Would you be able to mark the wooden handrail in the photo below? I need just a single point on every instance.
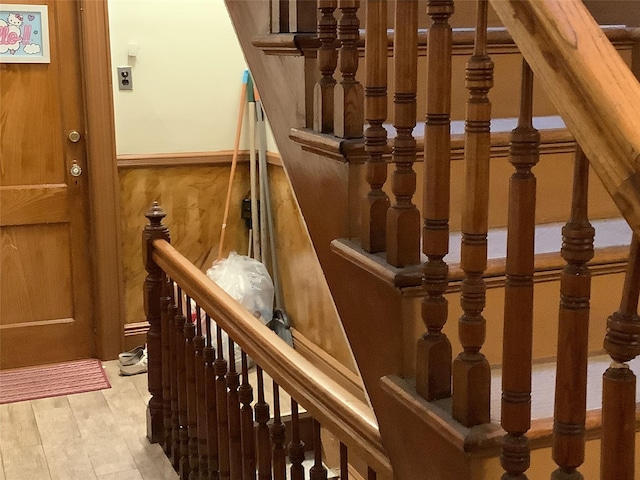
(348, 417)
(590, 85)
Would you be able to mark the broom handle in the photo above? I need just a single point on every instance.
(234, 161)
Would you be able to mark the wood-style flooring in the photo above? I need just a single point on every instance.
(96, 435)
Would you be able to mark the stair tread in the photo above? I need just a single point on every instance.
(554, 135)
(548, 238)
(543, 384)
(488, 437)
(611, 243)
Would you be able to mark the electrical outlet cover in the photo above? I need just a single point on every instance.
(125, 80)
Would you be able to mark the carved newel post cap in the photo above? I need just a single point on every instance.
(155, 214)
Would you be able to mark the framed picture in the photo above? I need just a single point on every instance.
(24, 33)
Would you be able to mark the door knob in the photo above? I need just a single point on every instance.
(74, 136)
(75, 170)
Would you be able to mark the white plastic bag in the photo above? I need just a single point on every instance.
(246, 280)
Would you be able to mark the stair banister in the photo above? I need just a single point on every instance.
(338, 410)
(588, 82)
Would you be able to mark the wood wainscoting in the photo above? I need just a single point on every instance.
(191, 187)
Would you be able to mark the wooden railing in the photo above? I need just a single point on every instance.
(202, 409)
(598, 97)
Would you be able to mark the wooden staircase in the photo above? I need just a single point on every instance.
(388, 199)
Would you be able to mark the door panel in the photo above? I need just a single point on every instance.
(45, 282)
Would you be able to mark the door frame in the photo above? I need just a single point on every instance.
(104, 185)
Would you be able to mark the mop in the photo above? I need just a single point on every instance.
(280, 321)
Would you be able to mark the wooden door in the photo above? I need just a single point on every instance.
(45, 281)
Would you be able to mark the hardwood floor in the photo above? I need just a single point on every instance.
(97, 435)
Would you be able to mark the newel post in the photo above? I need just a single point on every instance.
(154, 230)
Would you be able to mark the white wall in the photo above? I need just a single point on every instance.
(187, 76)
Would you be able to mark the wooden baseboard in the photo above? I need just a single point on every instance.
(135, 334)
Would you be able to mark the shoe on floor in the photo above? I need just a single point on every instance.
(138, 364)
(131, 357)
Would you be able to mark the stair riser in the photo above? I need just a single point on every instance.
(554, 175)
(503, 96)
(545, 330)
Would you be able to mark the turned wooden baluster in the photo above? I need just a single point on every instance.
(220, 370)
(471, 371)
(277, 431)
(261, 409)
(296, 446)
(279, 16)
(376, 202)
(192, 400)
(245, 392)
(181, 379)
(348, 96)
(403, 218)
(518, 310)
(573, 331)
(622, 342)
(233, 406)
(318, 470)
(327, 63)
(344, 462)
(174, 456)
(167, 322)
(153, 283)
(433, 368)
(209, 355)
(201, 406)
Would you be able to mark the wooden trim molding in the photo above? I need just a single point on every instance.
(188, 159)
(103, 178)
